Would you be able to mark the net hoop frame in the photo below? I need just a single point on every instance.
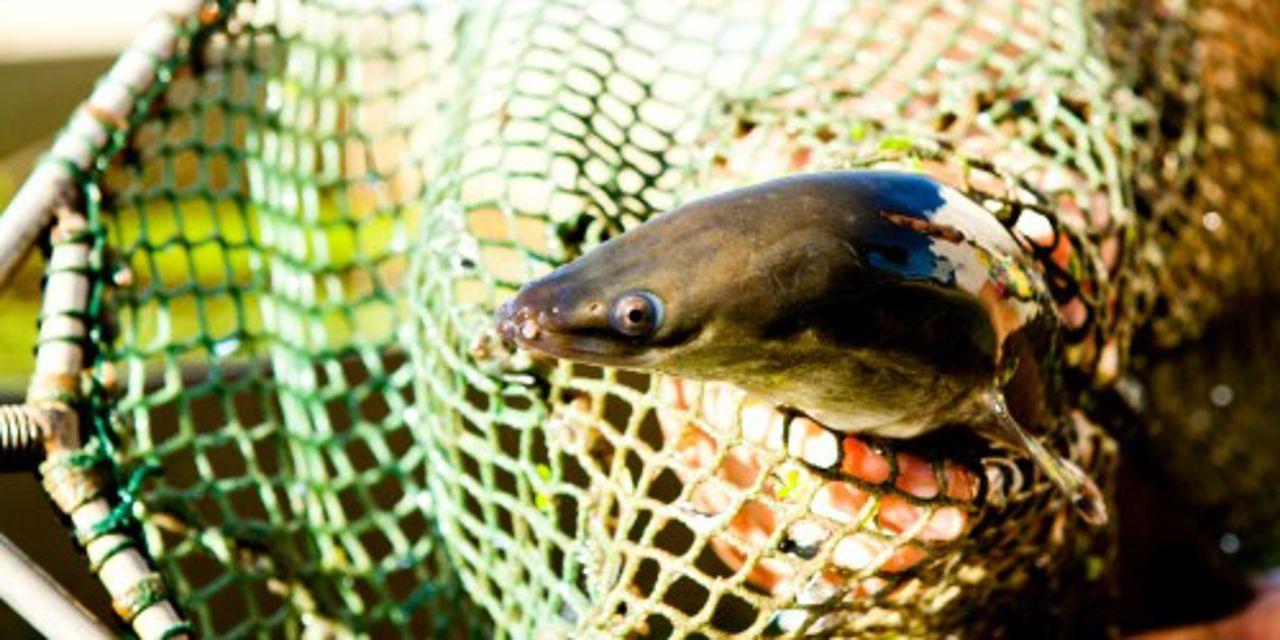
(44, 207)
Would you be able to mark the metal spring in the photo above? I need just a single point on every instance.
(21, 436)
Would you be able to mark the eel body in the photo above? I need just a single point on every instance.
(876, 302)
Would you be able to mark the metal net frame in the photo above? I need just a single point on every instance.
(288, 224)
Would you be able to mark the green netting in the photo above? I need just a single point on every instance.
(307, 225)
(263, 210)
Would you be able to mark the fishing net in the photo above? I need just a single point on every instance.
(300, 233)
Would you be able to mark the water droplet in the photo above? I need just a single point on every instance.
(1229, 543)
(224, 348)
(1212, 221)
(122, 278)
(1221, 395)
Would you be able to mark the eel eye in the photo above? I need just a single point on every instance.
(636, 314)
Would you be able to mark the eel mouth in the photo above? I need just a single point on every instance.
(537, 331)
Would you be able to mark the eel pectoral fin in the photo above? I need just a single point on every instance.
(1064, 474)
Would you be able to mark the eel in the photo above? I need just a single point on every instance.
(1148, 151)
(876, 302)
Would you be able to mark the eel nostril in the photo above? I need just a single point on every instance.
(529, 329)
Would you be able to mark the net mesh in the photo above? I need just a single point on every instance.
(303, 231)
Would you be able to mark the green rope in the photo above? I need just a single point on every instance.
(120, 518)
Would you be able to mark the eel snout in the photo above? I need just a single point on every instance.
(546, 319)
(517, 323)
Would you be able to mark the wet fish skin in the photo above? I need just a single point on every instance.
(876, 302)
